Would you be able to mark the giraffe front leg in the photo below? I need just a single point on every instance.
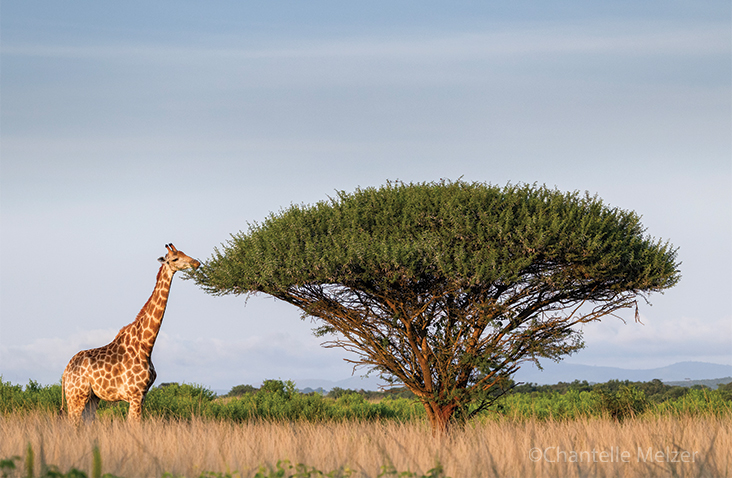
(135, 412)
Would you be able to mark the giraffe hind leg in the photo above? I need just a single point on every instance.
(79, 407)
(77, 396)
(75, 409)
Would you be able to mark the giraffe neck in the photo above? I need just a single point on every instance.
(144, 330)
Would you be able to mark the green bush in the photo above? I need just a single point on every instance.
(178, 401)
(239, 390)
(549, 405)
(698, 402)
(35, 397)
(278, 400)
(627, 402)
(725, 390)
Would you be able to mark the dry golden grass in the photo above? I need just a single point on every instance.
(492, 449)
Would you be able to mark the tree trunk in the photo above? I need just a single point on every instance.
(439, 416)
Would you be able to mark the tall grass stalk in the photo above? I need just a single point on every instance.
(493, 448)
(29, 461)
(96, 462)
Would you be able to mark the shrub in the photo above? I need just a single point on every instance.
(178, 401)
(34, 397)
(627, 402)
(278, 400)
(239, 390)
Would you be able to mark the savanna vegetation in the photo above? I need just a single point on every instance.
(276, 431)
(278, 400)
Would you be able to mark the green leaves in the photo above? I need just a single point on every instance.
(457, 233)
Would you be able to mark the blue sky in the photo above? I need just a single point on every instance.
(130, 125)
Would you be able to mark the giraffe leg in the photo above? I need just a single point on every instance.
(75, 408)
(76, 402)
(135, 412)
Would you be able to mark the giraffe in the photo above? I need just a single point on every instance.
(122, 369)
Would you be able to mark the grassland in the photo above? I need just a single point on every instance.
(187, 431)
(640, 447)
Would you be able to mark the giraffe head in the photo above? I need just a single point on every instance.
(178, 261)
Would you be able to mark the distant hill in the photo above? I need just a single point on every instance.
(696, 372)
(682, 373)
(353, 383)
(711, 383)
(566, 372)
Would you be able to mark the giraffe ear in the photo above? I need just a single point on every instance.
(161, 259)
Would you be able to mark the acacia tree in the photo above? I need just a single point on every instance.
(448, 287)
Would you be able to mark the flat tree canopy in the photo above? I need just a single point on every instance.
(448, 287)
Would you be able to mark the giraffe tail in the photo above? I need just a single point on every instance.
(63, 396)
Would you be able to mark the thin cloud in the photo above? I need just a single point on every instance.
(633, 39)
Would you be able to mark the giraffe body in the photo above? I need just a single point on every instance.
(122, 370)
